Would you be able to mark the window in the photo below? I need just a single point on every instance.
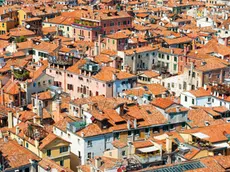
(111, 24)
(119, 23)
(185, 98)
(123, 153)
(62, 163)
(156, 130)
(68, 29)
(175, 59)
(129, 133)
(137, 132)
(193, 74)
(89, 155)
(48, 152)
(167, 57)
(34, 84)
(175, 67)
(124, 22)
(193, 101)
(27, 145)
(147, 130)
(89, 143)
(107, 139)
(69, 86)
(64, 149)
(116, 136)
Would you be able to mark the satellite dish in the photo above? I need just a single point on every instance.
(27, 26)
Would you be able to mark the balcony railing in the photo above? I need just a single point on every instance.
(63, 154)
(61, 61)
(144, 159)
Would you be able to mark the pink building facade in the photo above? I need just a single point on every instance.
(85, 79)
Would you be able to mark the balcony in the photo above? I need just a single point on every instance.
(61, 60)
(87, 24)
(81, 36)
(21, 74)
(63, 154)
(148, 158)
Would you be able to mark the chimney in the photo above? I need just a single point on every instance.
(114, 77)
(226, 41)
(36, 142)
(5, 138)
(10, 119)
(177, 109)
(12, 73)
(58, 105)
(128, 124)
(205, 86)
(98, 162)
(185, 50)
(169, 144)
(2, 96)
(37, 120)
(59, 42)
(135, 123)
(134, 62)
(40, 111)
(82, 134)
(17, 130)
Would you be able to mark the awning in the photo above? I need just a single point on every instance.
(222, 145)
(161, 137)
(200, 135)
(148, 149)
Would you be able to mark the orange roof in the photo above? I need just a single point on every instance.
(49, 139)
(12, 88)
(16, 155)
(179, 40)
(201, 92)
(216, 133)
(119, 144)
(76, 67)
(163, 103)
(46, 162)
(198, 117)
(46, 95)
(106, 74)
(150, 74)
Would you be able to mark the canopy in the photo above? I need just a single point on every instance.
(200, 135)
(148, 149)
(222, 145)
